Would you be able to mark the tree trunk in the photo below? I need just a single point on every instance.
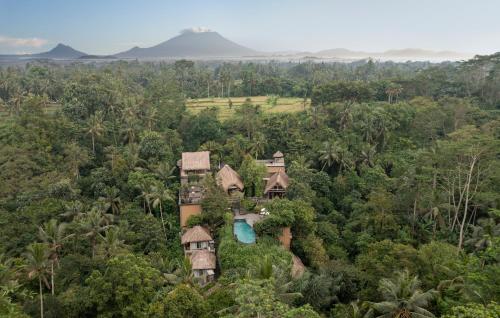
(41, 295)
(163, 222)
(93, 144)
(466, 204)
(52, 277)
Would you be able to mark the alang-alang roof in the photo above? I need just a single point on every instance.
(195, 160)
(280, 178)
(228, 178)
(203, 259)
(196, 234)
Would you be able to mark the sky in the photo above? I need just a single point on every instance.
(112, 26)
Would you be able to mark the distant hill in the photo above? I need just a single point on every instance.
(401, 54)
(191, 44)
(61, 51)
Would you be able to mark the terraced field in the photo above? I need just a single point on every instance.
(284, 104)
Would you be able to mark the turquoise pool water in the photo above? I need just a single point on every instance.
(244, 232)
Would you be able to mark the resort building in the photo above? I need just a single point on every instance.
(203, 263)
(276, 178)
(194, 166)
(229, 180)
(199, 246)
(276, 185)
(197, 238)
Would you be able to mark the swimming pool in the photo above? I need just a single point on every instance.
(244, 232)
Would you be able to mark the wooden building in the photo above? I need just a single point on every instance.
(194, 166)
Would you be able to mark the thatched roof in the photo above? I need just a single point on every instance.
(227, 178)
(196, 234)
(196, 160)
(280, 178)
(203, 259)
(278, 154)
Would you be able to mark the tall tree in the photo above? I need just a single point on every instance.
(37, 267)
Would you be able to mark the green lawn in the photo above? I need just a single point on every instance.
(284, 104)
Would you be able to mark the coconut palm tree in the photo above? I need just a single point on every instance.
(111, 244)
(145, 195)
(158, 195)
(164, 171)
(334, 152)
(76, 157)
(111, 200)
(54, 234)
(73, 210)
(258, 144)
(92, 224)
(95, 127)
(403, 298)
(279, 276)
(37, 266)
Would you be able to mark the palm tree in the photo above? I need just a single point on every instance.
(73, 210)
(110, 242)
(76, 157)
(258, 144)
(111, 200)
(483, 234)
(54, 234)
(180, 272)
(334, 153)
(279, 276)
(145, 196)
(164, 171)
(94, 223)
(403, 297)
(95, 127)
(215, 150)
(37, 259)
(158, 195)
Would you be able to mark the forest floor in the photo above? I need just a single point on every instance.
(283, 104)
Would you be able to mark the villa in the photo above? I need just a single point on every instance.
(276, 178)
(197, 238)
(203, 263)
(199, 246)
(194, 166)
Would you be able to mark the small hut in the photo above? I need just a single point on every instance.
(197, 238)
(203, 263)
(229, 180)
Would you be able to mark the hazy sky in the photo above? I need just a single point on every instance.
(106, 27)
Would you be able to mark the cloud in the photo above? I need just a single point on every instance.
(196, 30)
(20, 42)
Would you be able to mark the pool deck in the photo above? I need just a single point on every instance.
(250, 218)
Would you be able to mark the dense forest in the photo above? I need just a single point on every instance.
(393, 203)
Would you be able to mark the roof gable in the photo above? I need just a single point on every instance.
(227, 177)
(280, 178)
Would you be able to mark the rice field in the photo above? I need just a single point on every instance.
(283, 104)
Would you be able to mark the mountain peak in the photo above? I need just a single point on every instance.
(61, 51)
(192, 43)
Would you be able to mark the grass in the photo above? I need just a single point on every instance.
(284, 104)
